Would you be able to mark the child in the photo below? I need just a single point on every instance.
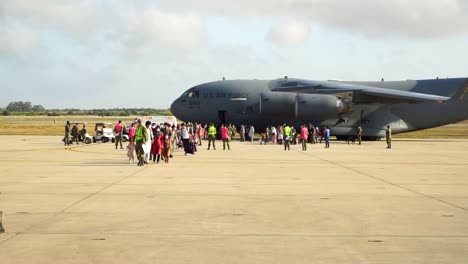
(131, 151)
(263, 139)
(166, 149)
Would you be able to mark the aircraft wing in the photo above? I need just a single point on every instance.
(364, 94)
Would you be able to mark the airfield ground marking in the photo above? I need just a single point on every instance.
(15, 235)
(275, 235)
(385, 181)
(52, 215)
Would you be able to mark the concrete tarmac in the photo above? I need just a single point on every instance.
(253, 204)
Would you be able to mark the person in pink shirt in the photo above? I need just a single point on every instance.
(118, 131)
(131, 132)
(200, 133)
(304, 136)
(225, 137)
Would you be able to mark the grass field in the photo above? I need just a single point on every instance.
(459, 130)
(54, 126)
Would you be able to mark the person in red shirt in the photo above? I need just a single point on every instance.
(225, 137)
(304, 136)
(157, 144)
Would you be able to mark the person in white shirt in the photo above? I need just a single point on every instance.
(251, 133)
(149, 140)
(185, 135)
(273, 134)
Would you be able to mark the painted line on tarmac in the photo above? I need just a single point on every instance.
(249, 235)
(81, 200)
(385, 181)
(16, 234)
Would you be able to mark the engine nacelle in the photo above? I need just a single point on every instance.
(278, 104)
(303, 106)
(320, 106)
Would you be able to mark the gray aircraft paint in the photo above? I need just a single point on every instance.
(252, 102)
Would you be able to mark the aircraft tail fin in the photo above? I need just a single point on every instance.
(461, 93)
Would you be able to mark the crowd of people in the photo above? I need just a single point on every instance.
(157, 142)
(74, 134)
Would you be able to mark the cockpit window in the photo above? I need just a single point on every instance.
(193, 94)
(189, 91)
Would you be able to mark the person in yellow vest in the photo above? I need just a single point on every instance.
(211, 136)
(287, 136)
(141, 137)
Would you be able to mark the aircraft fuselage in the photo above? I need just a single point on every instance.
(252, 102)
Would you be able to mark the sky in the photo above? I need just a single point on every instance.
(121, 53)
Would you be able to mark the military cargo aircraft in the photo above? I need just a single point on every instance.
(343, 106)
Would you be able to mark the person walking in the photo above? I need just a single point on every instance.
(67, 138)
(313, 134)
(280, 134)
(251, 133)
(211, 136)
(359, 135)
(157, 145)
(287, 136)
(327, 137)
(149, 141)
(184, 133)
(273, 134)
(267, 134)
(75, 133)
(131, 132)
(166, 148)
(118, 131)
(173, 138)
(304, 136)
(388, 137)
(225, 137)
(294, 139)
(200, 133)
(233, 132)
(83, 132)
(141, 135)
(242, 133)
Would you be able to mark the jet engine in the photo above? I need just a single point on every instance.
(320, 106)
(278, 104)
(303, 106)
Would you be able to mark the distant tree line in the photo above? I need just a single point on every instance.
(24, 107)
(27, 108)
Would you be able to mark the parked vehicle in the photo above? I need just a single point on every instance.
(104, 133)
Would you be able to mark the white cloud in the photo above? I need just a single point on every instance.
(133, 23)
(375, 18)
(67, 15)
(17, 41)
(167, 29)
(162, 47)
(289, 34)
(381, 18)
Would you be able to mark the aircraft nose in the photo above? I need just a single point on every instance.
(175, 108)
